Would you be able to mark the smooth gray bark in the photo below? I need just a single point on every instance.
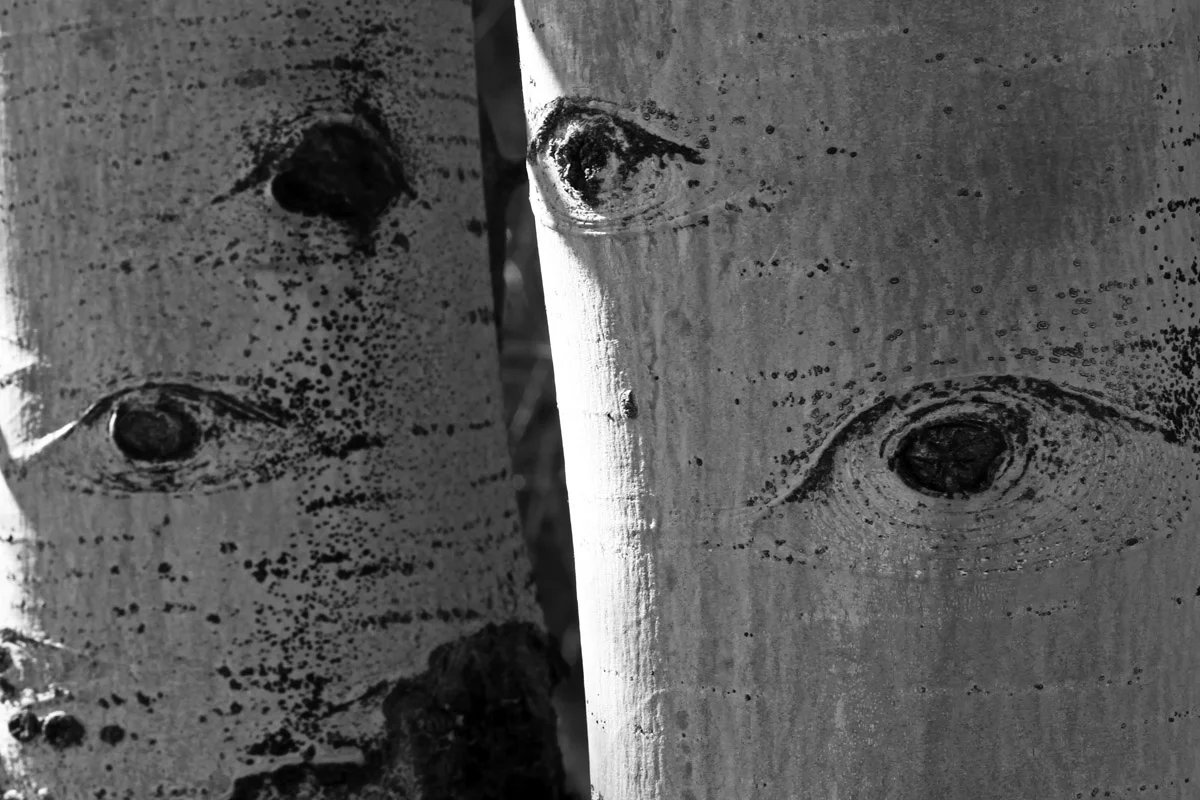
(902, 295)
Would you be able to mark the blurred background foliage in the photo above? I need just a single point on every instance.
(526, 371)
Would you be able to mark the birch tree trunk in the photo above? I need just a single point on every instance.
(875, 339)
(258, 536)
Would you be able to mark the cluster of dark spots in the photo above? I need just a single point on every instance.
(342, 63)
(262, 569)
(116, 700)
(580, 140)
(353, 444)
(251, 78)
(133, 608)
(277, 743)
(478, 724)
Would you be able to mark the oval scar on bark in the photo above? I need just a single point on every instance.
(583, 141)
(478, 724)
(339, 170)
(951, 456)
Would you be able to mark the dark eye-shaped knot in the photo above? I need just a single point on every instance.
(603, 172)
(168, 437)
(979, 475)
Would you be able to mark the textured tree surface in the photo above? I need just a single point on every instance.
(905, 295)
(257, 535)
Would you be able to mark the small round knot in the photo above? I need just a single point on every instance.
(112, 734)
(62, 729)
(24, 726)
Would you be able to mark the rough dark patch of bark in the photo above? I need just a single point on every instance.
(629, 408)
(478, 724)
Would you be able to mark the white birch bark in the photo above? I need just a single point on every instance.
(800, 236)
(254, 474)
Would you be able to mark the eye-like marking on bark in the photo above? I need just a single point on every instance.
(608, 172)
(341, 170)
(168, 437)
(983, 475)
(950, 458)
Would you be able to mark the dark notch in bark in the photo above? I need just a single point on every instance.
(580, 139)
(478, 724)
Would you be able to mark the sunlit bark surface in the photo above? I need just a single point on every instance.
(253, 471)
